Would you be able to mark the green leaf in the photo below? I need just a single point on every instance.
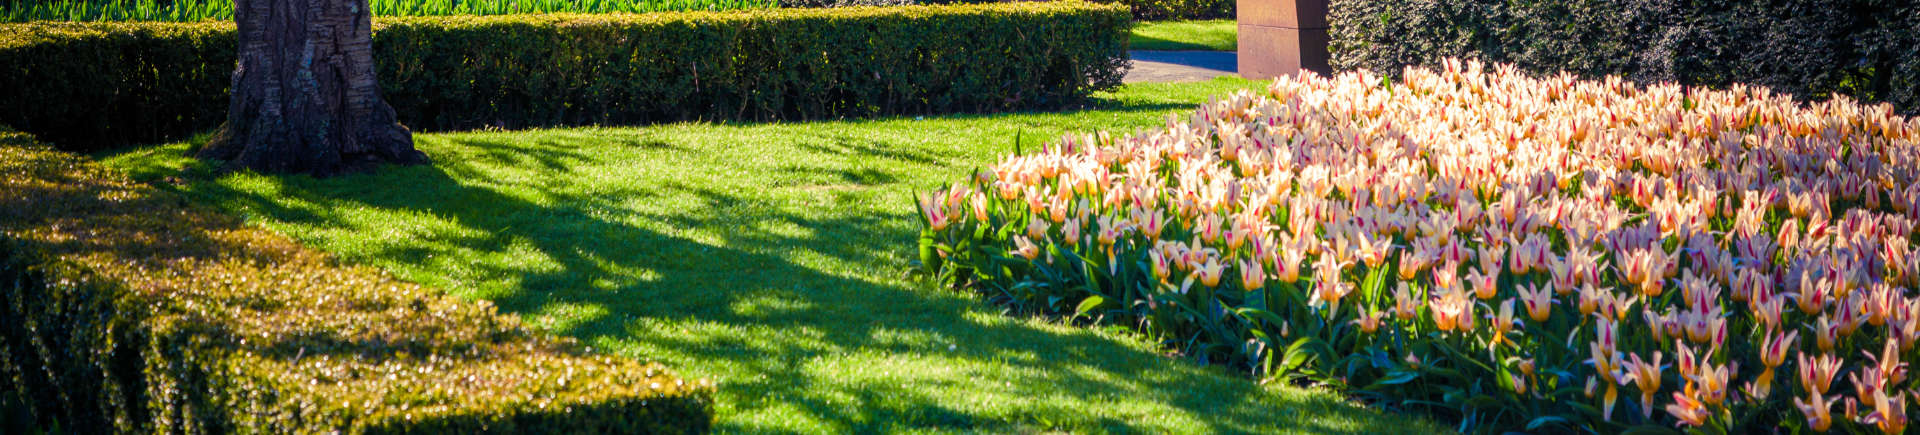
(1254, 314)
(1089, 305)
(1399, 377)
(1376, 284)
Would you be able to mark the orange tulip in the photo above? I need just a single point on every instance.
(1690, 412)
(1817, 373)
(1889, 413)
(1024, 248)
(1817, 410)
(1210, 272)
(1539, 304)
(1252, 276)
(1646, 376)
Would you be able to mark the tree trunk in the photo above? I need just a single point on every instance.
(305, 99)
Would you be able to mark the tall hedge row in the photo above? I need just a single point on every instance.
(127, 310)
(100, 84)
(87, 86)
(1869, 49)
(1178, 9)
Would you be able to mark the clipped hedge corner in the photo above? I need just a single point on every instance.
(98, 85)
(129, 310)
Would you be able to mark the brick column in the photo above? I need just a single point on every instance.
(1282, 37)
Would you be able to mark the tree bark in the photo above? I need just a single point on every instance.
(304, 95)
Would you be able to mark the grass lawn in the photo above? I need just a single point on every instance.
(1218, 35)
(771, 258)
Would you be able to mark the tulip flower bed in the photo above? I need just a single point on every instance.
(1499, 250)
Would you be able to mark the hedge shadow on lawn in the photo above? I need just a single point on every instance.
(580, 234)
(1167, 44)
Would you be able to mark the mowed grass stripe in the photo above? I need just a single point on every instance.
(1211, 35)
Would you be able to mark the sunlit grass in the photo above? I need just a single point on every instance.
(1217, 35)
(773, 259)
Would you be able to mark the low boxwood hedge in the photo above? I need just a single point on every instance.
(88, 86)
(129, 310)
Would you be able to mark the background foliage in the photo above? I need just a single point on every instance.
(1813, 49)
(1177, 9)
(103, 84)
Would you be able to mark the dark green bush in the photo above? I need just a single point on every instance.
(1810, 48)
(1177, 9)
(88, 86)
(128, 310)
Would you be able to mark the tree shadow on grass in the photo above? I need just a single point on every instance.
(748, 304)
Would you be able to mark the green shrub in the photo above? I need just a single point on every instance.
(128, 310)
(851, 3)
(103, 84)
(91, 85)
(1812, 49)
(1177, 9)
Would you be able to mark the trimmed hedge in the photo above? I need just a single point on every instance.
(1142, 9)
(852, 3)
(1178, 9)
(128, 310)
(88, 86)
(97, 85)
(1810, 48)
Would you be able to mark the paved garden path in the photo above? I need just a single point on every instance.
(1181, 66)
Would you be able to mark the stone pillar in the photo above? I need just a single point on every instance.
(1282, 37)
